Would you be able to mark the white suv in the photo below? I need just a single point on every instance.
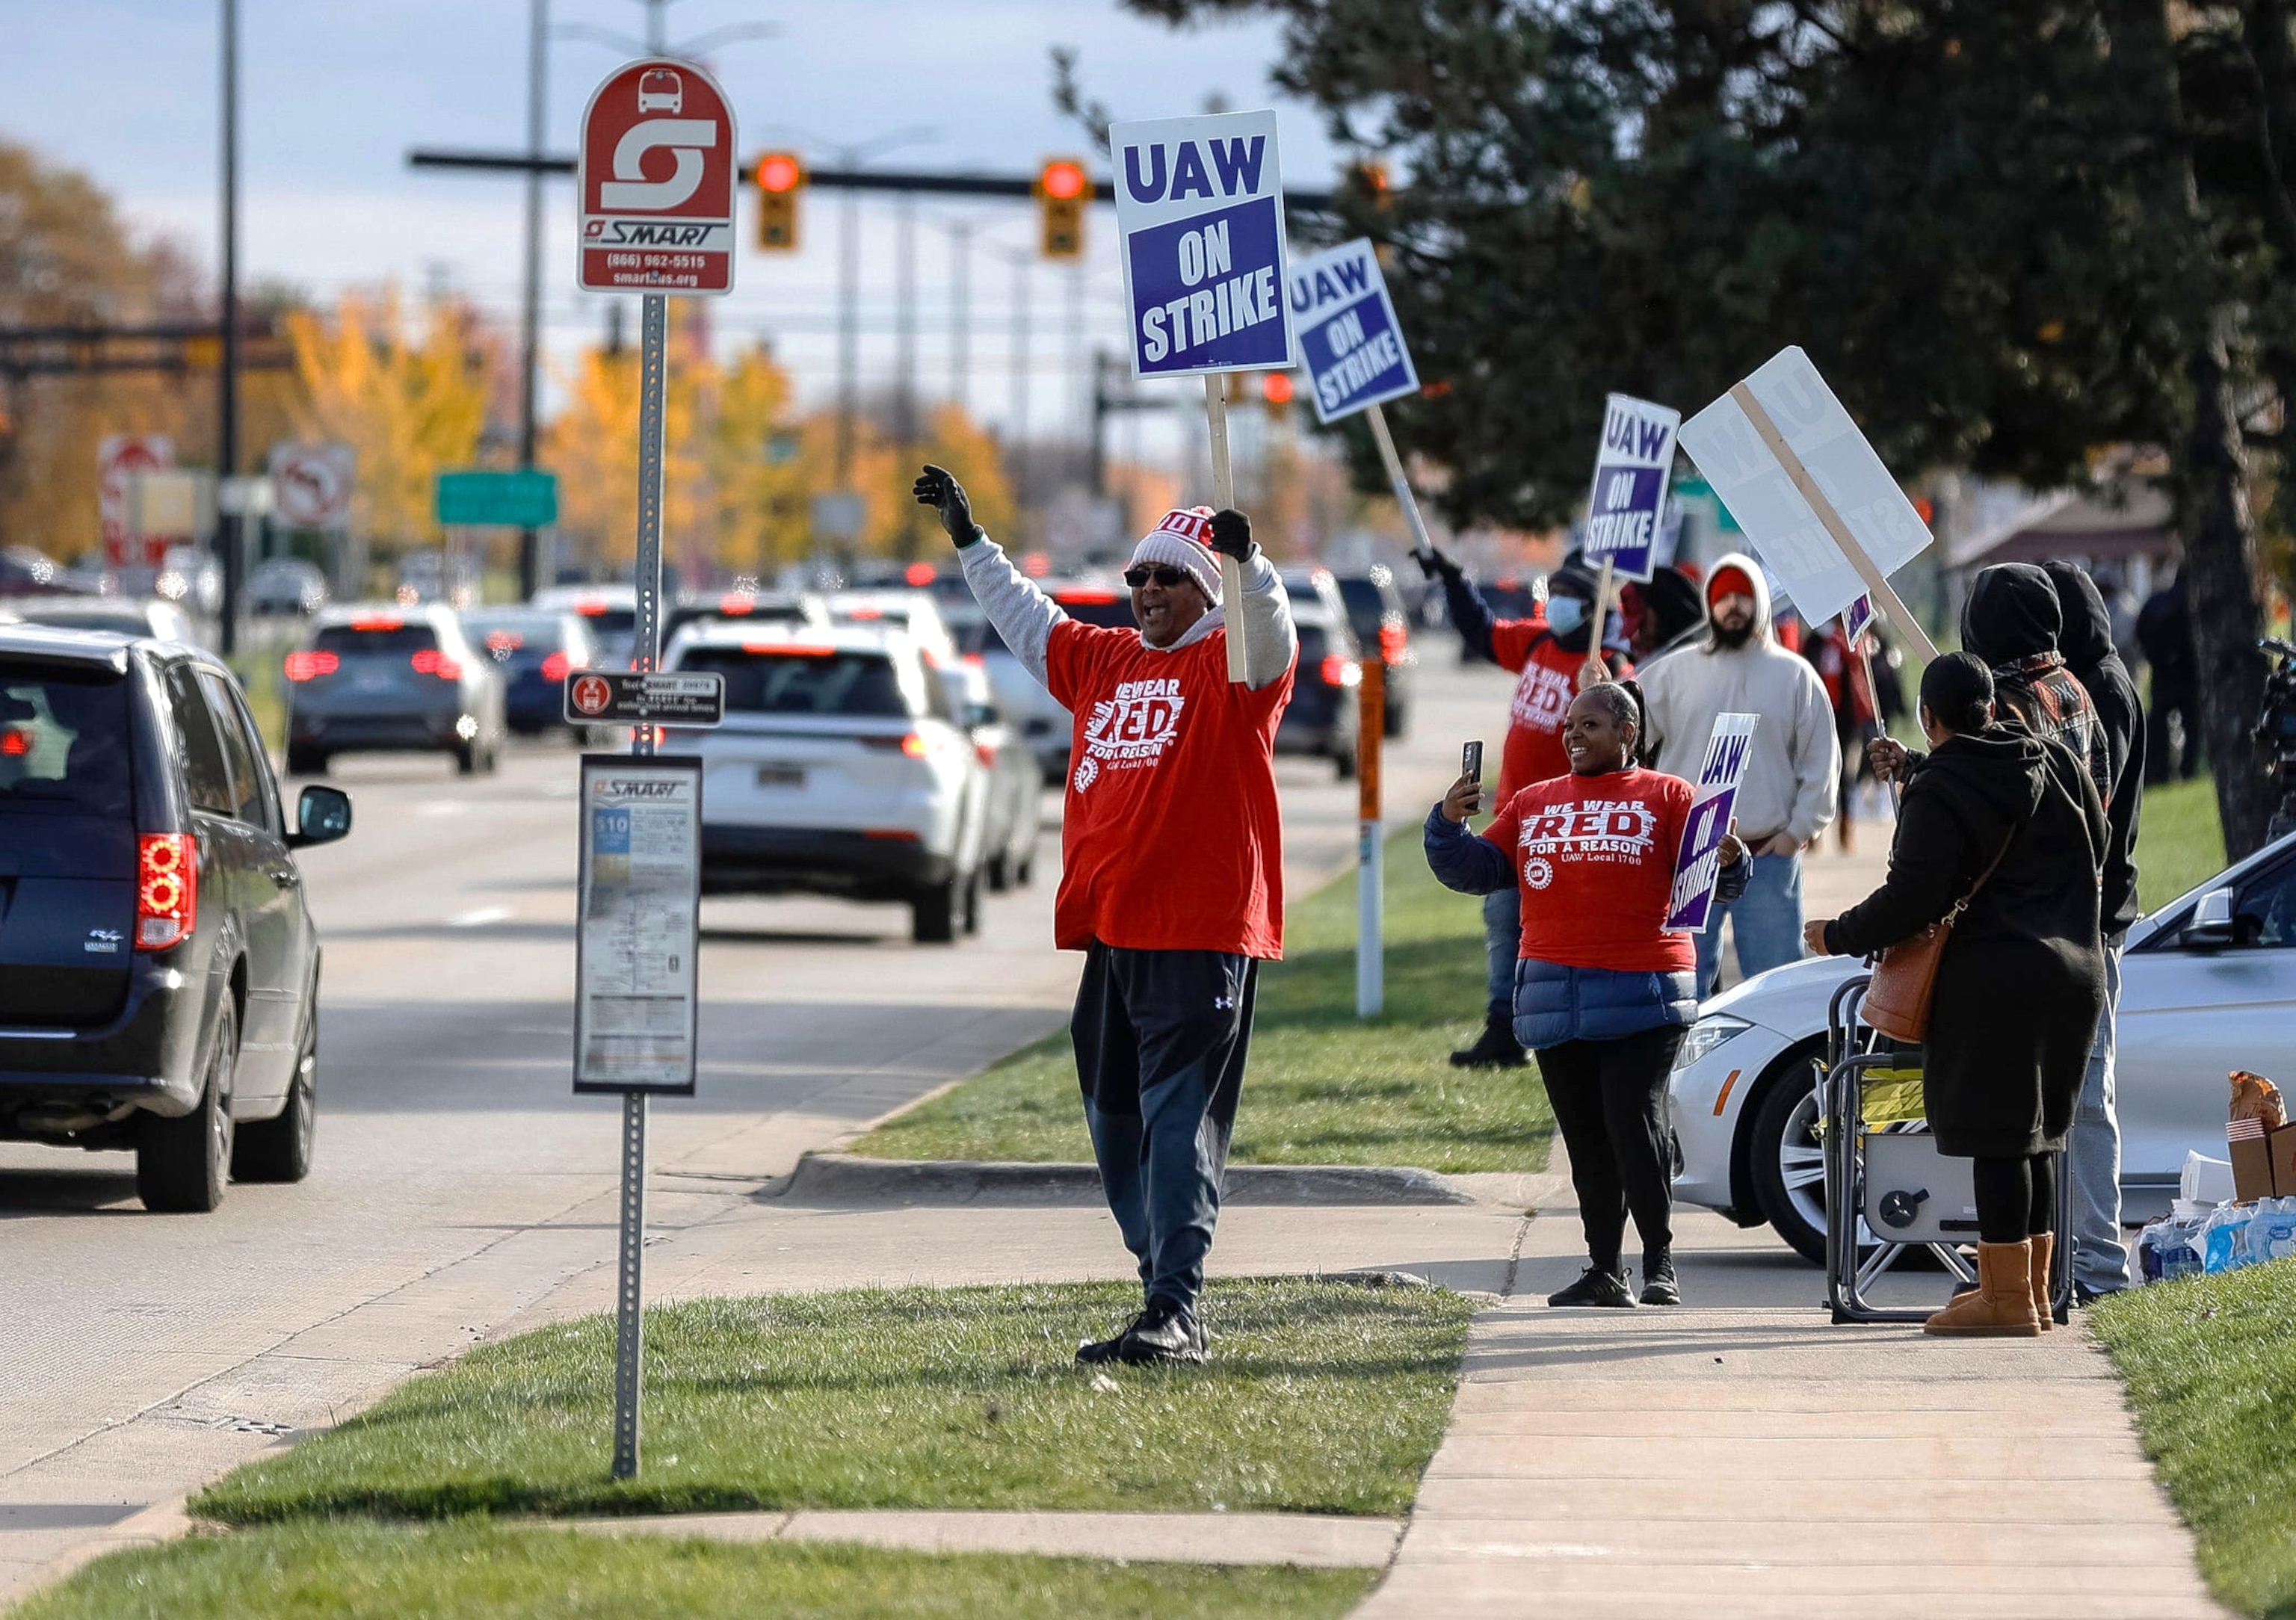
(841, 768)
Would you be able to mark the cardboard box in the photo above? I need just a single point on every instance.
(2263, 1162)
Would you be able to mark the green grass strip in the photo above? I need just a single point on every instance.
(1324, 1087)
(2212, 1370)
(486, 1570)
(1321, 1397)
(2179, 840)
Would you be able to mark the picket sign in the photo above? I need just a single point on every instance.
(1631, 467)
(1200, 220)
(1815, 501)
(1698, 865)
(1352, 344)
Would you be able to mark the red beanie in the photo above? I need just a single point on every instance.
(1729, 580)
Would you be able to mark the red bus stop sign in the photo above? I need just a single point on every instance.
(657, 182)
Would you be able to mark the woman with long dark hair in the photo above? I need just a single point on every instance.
(1602, 991)
(2010, 824)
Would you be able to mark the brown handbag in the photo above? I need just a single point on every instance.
(1904, 974)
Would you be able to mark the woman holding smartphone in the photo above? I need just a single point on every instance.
(1602, 991)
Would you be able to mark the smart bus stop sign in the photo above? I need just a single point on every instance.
(650, 697)
(657, 182)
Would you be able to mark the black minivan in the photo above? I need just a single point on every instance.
(159, 966)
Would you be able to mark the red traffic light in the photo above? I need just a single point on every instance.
(780, 171)
(1275, 387)
(1062, 181)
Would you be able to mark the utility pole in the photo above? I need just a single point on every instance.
(228, 382)
(848, 336)
(905, 348)
(530, 325)
(1017, 411)
(960, 312)
(1072, 359)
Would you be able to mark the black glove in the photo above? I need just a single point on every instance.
(1232, 535)
(1434, 564)
(937, 488)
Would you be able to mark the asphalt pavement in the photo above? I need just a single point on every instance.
(458, 1181)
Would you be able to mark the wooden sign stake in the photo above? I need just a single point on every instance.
(1223, 498)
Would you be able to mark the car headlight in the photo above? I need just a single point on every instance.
(1705, 1035)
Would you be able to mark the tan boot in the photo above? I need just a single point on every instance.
(2001, 1304)
(2045, 1246)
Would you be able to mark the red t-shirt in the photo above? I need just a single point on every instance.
(1548, 682)
(1594, 857)
(1171, 838)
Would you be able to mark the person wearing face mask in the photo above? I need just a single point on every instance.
(1171, 872)
(1552, 656)
(1601, 990)
(1794, 766)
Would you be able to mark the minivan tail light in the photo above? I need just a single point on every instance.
(915, 745)
(15, 743)
(430, 661)
(555, 666)
(986, 753)
(1337, 671)
(166, 889)
(1393, 638)
(311, 665)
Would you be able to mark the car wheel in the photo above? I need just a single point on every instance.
(971, 915)
(933, 914)
(1343, 765)
(1000, 873)
(305, 762)
(1394, 722)
(280, 1149)
(467, 759)
(181, 1165)
(1024, 872)
(1787, 1160)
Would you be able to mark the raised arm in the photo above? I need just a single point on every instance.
(1023, 615)
(1271, 639)
(1471, 615)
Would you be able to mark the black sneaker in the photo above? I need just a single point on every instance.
(1167, 1331)
(1596, 1287)
(1099, 1351)
(1658, 1286)
(1496, 1049)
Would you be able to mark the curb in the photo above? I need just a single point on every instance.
(849, 1178)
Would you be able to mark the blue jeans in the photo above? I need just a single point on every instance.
(1502, 943)
(2093, 1155)
(1765, 923)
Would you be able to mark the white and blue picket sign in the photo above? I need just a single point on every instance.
(1200, 209)
(1350, 340)
(1631, 470)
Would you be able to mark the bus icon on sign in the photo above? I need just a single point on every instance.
(661, 91)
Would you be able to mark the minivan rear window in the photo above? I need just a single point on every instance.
(63, 741)
(399, 636)
(803, 681)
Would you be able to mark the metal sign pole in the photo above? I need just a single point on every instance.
(1371, 945)
(629, 1292)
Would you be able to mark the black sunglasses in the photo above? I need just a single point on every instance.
(1165, 575)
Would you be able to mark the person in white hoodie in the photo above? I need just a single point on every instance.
(1793, 770)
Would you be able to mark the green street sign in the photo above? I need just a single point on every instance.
(506, 500)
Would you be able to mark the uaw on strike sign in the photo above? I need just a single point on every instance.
(1201, 210)
(1630, 476)
(1349, 339)
(657, 182)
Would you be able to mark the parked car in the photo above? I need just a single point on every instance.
(159, 966)
(842, 768)
(396, 679)
(286, 584)
(912, 611)
(1376, 611)
(610, 611)
(129, 615)
(535, 650)
(2208, 986)
(1015, 785)
(1323, 717)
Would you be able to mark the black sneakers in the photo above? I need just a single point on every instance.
(1103, 1350)
(1658, 1286)
(1596, 1287)
(1497, 1048)
(1167, 1331)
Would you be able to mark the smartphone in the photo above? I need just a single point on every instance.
(1471, 760)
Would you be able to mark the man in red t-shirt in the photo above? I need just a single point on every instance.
(1171, 872)
(1550, 655)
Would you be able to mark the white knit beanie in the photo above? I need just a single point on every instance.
(1184, 541)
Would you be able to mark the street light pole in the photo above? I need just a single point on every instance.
(960, 308)
(848, 336)
(1017, 411)
(227, 385)
(529, 560)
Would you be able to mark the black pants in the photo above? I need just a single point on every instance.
(1610, 1100)
(1160, 1040)
(2016, 1198)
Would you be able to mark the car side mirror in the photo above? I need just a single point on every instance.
(322, 815)
(2211, 922)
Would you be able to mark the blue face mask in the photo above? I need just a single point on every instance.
(1565, 614)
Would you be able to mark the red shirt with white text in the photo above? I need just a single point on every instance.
(1594, 859)
(1171, 838)
(1548, 679)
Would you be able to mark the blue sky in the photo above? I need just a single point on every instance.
(336, 91)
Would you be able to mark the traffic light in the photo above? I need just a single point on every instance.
(781, 176)
(1064, 190)
(1369, 179)
(1275, 391)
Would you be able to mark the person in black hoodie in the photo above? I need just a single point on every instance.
(2010, 827)
(2100, 1259)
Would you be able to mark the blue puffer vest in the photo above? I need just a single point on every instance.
(1554, 1004)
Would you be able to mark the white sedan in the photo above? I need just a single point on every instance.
(2209, 985)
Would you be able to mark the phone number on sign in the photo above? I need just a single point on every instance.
(657, 261)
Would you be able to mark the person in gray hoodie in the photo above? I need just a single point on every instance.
(1793, 768)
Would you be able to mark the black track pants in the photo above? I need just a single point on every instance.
(1610, 1101)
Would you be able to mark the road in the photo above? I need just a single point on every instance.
(457, 1178)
